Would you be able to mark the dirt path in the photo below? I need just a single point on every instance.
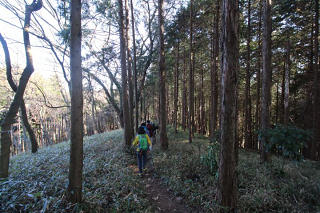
(162, 199)
(159, 195)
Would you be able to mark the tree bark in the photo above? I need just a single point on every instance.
(34, 144)
(248, 120)
(74, 193)
(214, 72)
(176, 90)
(125, 104)
(135, 68)
(257, 116)
(162, 78)
(266, 76)
(184, 94)
(227, 190)
(18, 97)
(129, 63)
(286, 86)
(315, 145)
(191, 77)
(202, 106)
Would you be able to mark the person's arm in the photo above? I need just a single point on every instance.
(149, 141)
(135, 141)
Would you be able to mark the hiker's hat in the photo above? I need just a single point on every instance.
(141, 130)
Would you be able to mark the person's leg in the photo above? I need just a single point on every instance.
(144, 159)
(139, 157)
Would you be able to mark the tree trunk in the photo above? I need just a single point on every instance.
(227, 191)
(34, 143)
(315, 146)
(162, 78)
(76, 150)
(125, 104)
(214, 72)
(18, 97)
(135, 67)
(93, 107)
(257, 119)
(176, 90)
(286, 86)
(202, 106)
(266, 76)
(191, 77)
(184, 94)
(248, 120)
(129, 60)
(13, 86)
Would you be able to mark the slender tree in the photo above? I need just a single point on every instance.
(18, 97)
(266, 76)
(257, 116)
(227, 190)
(315, 146)
(76, 151)
(162, 77)
(191, 76)
(129, 66)
(126, 118)
(134, 67)
(248, 120)
(176, 89)
(34, 144)
(214, 70)
(286, 85)
(184, 94)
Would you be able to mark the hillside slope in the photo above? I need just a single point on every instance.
(37, 182)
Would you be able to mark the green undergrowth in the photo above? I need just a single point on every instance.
(279, 186)
(38, 182)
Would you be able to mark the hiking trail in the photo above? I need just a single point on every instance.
(159, 195)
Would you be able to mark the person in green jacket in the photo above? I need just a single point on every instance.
(143, 145)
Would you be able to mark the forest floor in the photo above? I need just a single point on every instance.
(184, 179)
(159, 195)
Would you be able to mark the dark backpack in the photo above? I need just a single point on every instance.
(150, 129)
(143, 142)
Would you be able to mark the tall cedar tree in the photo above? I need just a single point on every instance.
(286, 85)
(227, 190)
(76, 156)
(191, 77)
(125, 104)
(18, 97)
(134, 67)
(162, 78)
(214, 71)
(184, 94)
(176, 89)
(266, 76)
(129, 62)
(315, 146)
(248, 120)
(257, 119)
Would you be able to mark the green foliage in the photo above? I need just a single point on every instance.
(287, 141)
(211, 159)
(38, 182)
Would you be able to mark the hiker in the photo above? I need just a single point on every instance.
(143, 143)
(144, 125)
(152, 128)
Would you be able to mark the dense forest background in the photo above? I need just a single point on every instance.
(293, 69)
(187, 64)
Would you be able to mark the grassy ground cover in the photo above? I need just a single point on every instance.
(38, 182)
